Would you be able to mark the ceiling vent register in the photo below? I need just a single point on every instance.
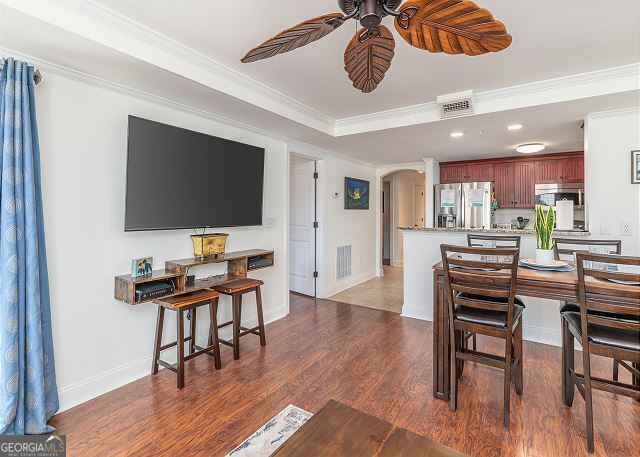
(456, 104)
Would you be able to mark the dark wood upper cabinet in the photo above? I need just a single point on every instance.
(573, 170)
(552, 171)
(524, 184)
(515, 178)
(548, 171)
(453, 173)
(481, 172)
(503, 184)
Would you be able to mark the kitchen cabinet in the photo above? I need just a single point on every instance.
(515, 178)
(515, 184)
(557, 171)
(482, 172)
(453, 173)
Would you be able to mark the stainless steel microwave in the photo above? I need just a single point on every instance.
(549, 194)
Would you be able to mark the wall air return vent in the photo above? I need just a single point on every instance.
(456, 104)
(343, 264)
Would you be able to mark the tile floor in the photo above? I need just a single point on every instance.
(385, 293)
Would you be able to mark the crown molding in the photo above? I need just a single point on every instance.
(616, 112)
(47, 67)
(124, 34)
(102, 25)
(572, 87)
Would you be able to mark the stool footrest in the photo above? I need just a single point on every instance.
(200, 351)
(226, 324)
(226, 343)
(175, 343)
(254, 330)
(168, 366)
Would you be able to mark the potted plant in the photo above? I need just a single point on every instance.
(543, 226)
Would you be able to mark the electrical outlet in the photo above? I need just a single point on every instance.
(626, 228)
(605, 228)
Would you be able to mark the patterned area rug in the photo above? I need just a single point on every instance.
(272, 434)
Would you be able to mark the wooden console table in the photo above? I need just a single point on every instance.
(176, 271)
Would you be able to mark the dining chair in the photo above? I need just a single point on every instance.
(615, 292)
(480, 285)
(568, 247)
(481, 240)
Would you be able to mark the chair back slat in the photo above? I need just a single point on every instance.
(570, 246)
(599, 291)
(494, 281)
(495, 278)
(502, 241)
(480, 304)
(620, 324)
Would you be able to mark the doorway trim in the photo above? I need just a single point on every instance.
(381, 172)
(321, 169)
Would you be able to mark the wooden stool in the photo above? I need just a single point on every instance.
(180, 304)
(236, 289)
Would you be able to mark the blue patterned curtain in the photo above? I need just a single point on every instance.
(28, 391)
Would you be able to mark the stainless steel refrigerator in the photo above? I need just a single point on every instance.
(463, 205)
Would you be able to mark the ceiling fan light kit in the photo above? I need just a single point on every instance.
(449, 26)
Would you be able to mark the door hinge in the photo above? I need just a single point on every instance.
(315, 274)
(315, 225)
(315, 175)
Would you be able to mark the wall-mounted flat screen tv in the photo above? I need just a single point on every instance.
(178, 178)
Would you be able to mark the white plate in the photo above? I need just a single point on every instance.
(554, 264)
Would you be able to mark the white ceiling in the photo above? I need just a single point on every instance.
(561, 49)
(551, 38)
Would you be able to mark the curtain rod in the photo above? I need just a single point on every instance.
(37, 76)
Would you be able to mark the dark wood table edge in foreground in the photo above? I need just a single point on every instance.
(339, 430)
(550, 285)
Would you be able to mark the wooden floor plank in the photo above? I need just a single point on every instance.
(374, 361)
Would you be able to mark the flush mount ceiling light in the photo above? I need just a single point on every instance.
(530, 148)
(457, 134)
(515, 127)
(449, 26)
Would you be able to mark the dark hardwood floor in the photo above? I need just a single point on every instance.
(374, 361)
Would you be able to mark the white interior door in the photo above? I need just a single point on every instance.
(301, 230)
(418, 205)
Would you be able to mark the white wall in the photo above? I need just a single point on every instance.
(101, 343)
(609, 195)
(343, 227)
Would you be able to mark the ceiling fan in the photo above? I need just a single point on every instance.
(449, 26)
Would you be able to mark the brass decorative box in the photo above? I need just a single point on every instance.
(209, 244)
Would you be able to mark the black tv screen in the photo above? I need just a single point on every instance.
(178, 178)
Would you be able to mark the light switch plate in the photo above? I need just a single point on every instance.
(626, 228)
(605, 228)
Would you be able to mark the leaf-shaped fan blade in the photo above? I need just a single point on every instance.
(368, 57)
(451, 26)
(296, 37)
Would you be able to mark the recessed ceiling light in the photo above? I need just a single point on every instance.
(530, 148)
(457, 134)
(515, 127)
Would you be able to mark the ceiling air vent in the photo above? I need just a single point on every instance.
(456, 104)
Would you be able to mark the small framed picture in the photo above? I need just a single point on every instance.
(356, 193)
(635, 167)
(141, 267)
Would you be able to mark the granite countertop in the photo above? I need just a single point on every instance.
(494, 230)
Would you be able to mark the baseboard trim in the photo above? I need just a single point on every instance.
(422, 313)
(542, 335)
(100, 384)
(343, 288)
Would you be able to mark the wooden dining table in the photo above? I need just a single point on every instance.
(552, 285)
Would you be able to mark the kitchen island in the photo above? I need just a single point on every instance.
(422, 250)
